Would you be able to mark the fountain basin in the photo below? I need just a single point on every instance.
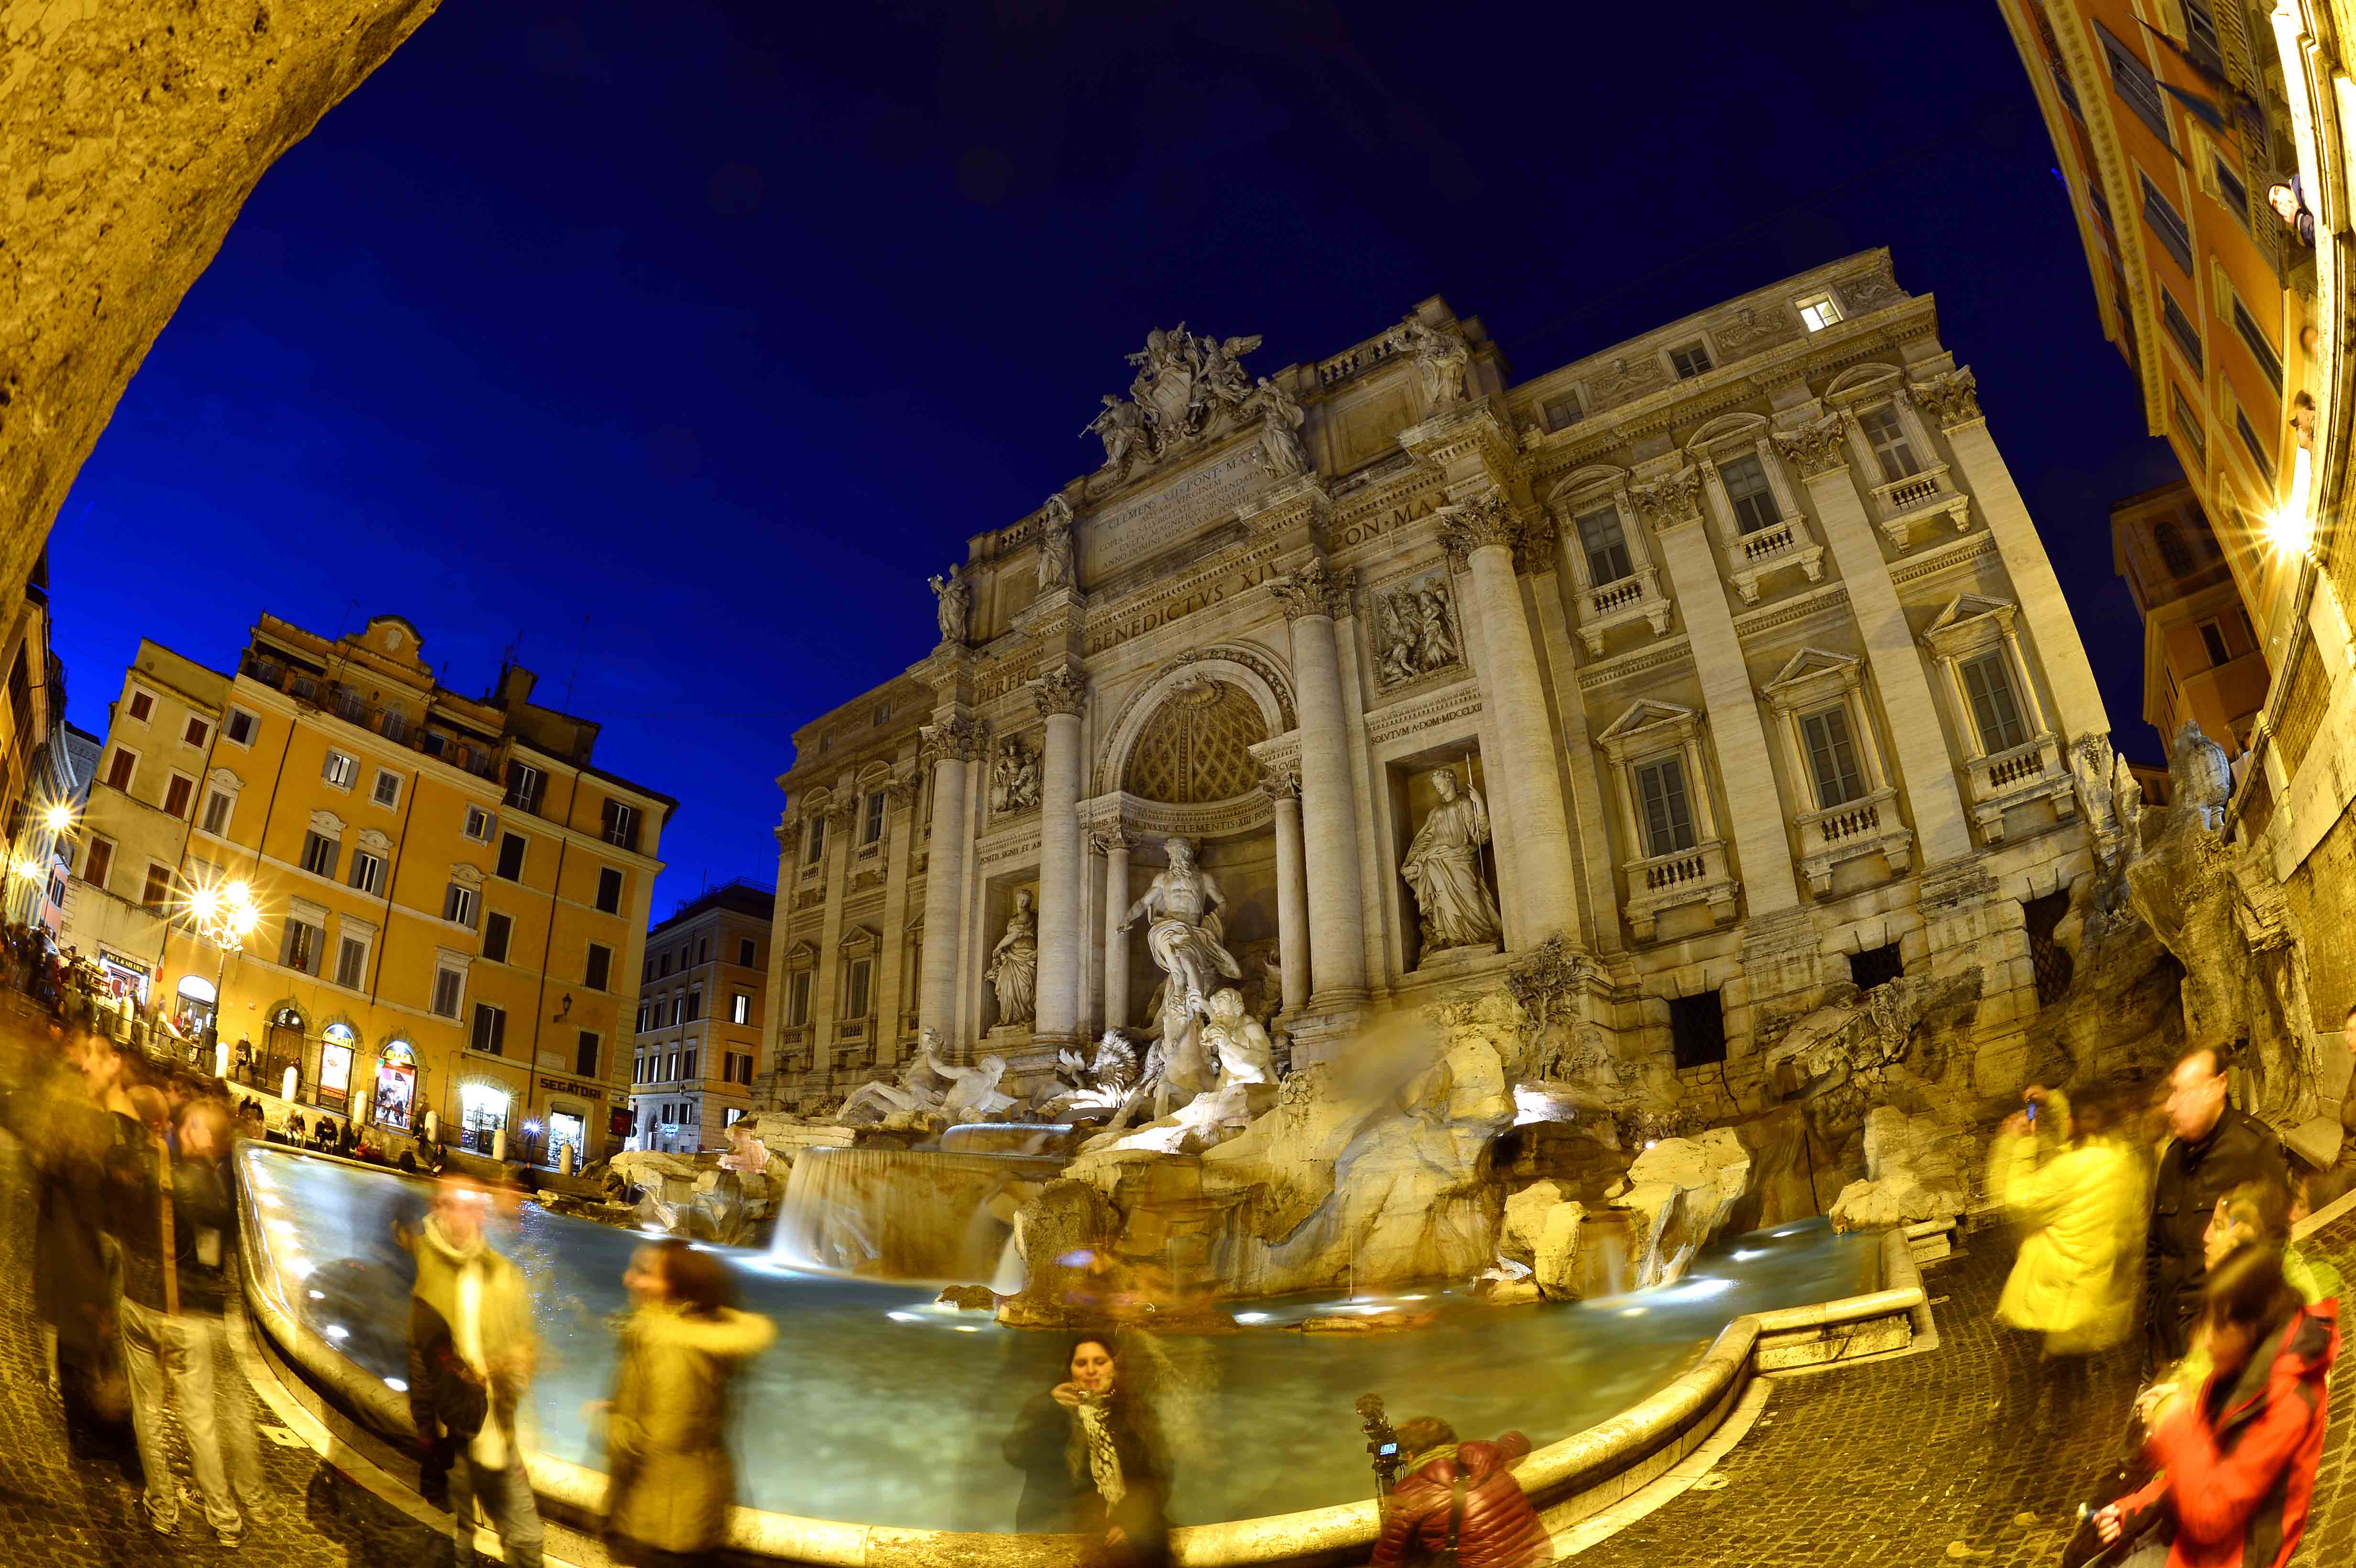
(878, 1408)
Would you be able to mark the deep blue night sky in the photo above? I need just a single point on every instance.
(722, 325)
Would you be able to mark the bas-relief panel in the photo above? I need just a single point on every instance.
(1359, 429)
(1416, 632)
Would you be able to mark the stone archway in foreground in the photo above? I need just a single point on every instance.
(131, 133)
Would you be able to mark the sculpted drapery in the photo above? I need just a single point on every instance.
(1444, 867)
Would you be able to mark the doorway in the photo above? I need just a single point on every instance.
(482, 1113)
(564, 1127)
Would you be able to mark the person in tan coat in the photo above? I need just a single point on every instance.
(671, 1480)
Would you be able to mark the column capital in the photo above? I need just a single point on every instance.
(1314, 588)
(1670, 501)
(1953, 398)
(1060, 691)
(1476, 524)
(1819, 449)
(956, 739)
(1112, 840)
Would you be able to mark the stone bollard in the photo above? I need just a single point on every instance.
(432, 1131)
(564, 1159)
(499, 1144)
(221, 1060)
(292, 1082)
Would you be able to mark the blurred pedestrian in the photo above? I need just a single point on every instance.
(2237, 1461)
(1093, 1459)
(64, 1121)
(2213, 1148)
(1459, 1499)
(671, 1478)
(471, 1355)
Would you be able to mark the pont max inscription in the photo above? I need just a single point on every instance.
(1134, 530)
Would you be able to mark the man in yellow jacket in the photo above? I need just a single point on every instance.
(2077, 1194)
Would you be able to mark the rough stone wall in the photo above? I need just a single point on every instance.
(131, 133)
(2323, 893)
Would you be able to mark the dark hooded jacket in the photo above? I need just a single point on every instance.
(2190, 1178)
(1498, 1529)
(2238, 1464)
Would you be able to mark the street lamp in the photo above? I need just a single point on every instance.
(225, 916)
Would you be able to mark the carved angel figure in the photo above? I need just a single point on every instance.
(953, 598)
(1398, 661)
(1440, 359)
(1055, 543)
(1282, 454)
(1122, 428)
(1219, 377)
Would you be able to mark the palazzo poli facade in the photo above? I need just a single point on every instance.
(1728, 656)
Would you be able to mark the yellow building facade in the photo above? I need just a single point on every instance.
(452, 897)
(2201, 659)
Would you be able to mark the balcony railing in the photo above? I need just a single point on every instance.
(1350, 361)
(1782, 543)
(1917, 502)
(1661, 882)
(1867, 825)
(344, 702)
(2004, 779)
(1635, 597)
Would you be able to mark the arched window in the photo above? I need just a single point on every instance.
(2173, 553)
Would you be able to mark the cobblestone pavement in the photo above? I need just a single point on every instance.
(69, 1485)
(1898, 1462)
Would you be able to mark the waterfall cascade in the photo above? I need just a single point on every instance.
(887, 1213)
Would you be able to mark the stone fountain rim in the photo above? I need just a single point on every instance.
(1676, 1416)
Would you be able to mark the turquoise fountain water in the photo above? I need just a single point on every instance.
(877, 1406)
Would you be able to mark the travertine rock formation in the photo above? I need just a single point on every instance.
(131, 133)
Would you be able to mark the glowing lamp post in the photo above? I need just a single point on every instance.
(225, 916)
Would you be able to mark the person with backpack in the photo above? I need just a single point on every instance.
(1459, 1504)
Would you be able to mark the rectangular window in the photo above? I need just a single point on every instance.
(1606, 545)
(744, 952)
(662, 970)
(300, 947)
(341, 769)
(1691, 360)
(1698, 1030)
(874, 830)
(1564, 411)
(524, 784)
(351, 961)
(621, 825)
(178, 793)
(119, 770)
(1748, 492)
(695, 1005)
(817, 849)
(797, 996)
(447, 985)
(511, 848)
(600, 965)
(196, 731)
(1994, 707)
(678, 1009)
(687, 1063)
(704, 949)
(2251, 445)
(458, 905)
(740, 1008)
(2260, 349)
(239, 727)
(670, 1067)
(609, 891)
(2188, 422)
(159, 887)
(2213, 638)
(1832, 757)
(319, 855)
(142, 704)
(2133, 80)
(2167, 225)
(386, 790)
(2230, 190)
(1819, 312)
(98, 862)
(1885, 432)
(2179, 327)
(490, 1028)
(883, 713)
(584, 1055)
(1661, 793)
(368, 872)
(216, 810)
(497, 931)
(478, 824)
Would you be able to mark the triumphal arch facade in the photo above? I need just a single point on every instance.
(1684, 682)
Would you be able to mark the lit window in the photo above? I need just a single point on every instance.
(367, 872)
(478, 824)
(1819, 312)
(340, 770)
(458, 904)
(739, 1008)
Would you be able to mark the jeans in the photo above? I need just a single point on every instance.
(506, 1500)
(154, 1347)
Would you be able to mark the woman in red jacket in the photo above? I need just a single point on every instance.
(1491, 1523)
(2237, 1464)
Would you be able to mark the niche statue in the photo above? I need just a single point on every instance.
(1443, 867)
(1015, 965)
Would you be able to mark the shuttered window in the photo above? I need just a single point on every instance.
(1831, 755)
(1661, 793)
(1606, 545)
(1749, 494)
(1995, 708)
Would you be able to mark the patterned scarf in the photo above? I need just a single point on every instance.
(1104, 1459)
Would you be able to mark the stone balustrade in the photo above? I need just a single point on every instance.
(1783, 543)
(1910, 505)
(2029, 771)
(1659, 883)
(1635, 597)
(1865, 825)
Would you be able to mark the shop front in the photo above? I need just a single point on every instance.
(484, 1107)
(122, 977)
(395, 1104)
(282, 1048)
(337, 1045)
(572, 1109)
(197, 1006)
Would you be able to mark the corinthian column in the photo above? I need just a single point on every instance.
(1338, 947)
(1283, 787)
(954, 744)
(1115, 844)
(1481, 535)
(1060, 694)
